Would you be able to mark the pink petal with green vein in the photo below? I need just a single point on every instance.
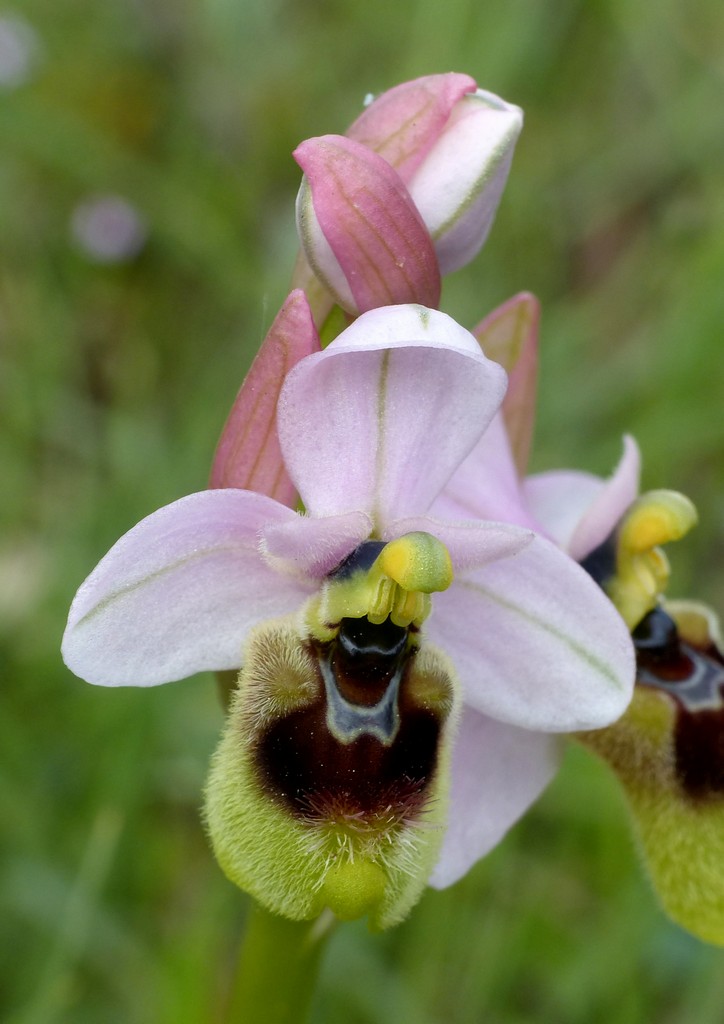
(248, 454)
(374, 232)
(536, 643)
(179, 593)
(404, 123)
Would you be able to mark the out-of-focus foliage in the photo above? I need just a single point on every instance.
(115, 380)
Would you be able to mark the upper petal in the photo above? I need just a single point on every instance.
(312, 548)
(179, 592)
(536, 643)
(497, 771)
(379, 420)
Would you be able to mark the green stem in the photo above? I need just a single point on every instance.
(278, 968)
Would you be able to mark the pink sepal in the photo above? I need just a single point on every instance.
(380, 252)
(403, 124)
(509, 335)
(248, 454)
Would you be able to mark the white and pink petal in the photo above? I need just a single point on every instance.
(368, 424)
(497, 771)
(486, 484)
(536, 643)
(179, 593)
(579, 510)
(457, 188)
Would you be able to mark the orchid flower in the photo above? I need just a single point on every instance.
(364, 627)
(411, 191)
(667, 747)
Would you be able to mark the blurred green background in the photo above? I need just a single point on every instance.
(116, 378)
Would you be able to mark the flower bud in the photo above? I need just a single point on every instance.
(452, 145)
(409, 194)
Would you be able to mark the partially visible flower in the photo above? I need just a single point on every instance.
(419, 177)
(19, 51)
(108, 229)
(667, 749)
(575, 510)
(361, 626)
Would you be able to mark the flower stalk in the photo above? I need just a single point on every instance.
(278, 966)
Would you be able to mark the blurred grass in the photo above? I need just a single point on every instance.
(115, 382)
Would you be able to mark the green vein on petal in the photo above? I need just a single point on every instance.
(381, 418)
(179, 564)
(600, 666)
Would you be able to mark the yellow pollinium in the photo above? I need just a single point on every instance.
(397, 585)
(642, 568)
(417, 562)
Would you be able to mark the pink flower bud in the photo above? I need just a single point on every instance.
(452, 145)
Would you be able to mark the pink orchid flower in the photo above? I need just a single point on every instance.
(415, 183)
(380, 435)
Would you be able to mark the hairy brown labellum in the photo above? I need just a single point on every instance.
(366, 743)
(329, 785)
(693, 676)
